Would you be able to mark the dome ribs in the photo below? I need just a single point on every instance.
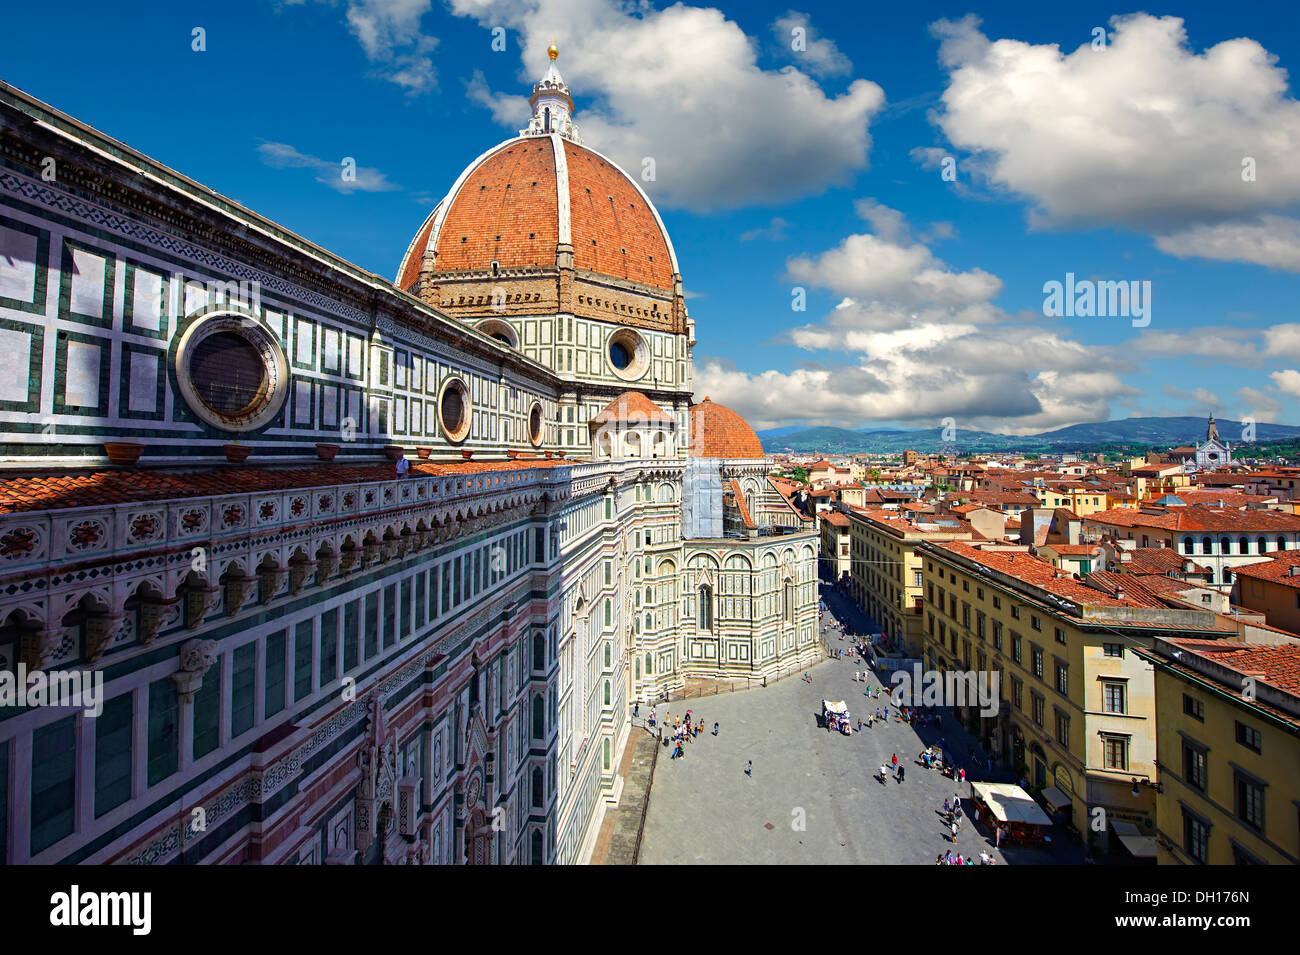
(505, 212)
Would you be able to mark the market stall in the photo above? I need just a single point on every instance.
(1014, 810)
(836, 716)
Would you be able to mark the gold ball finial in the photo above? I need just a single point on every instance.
(553, 51)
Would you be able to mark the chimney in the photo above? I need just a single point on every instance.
(1293, 570)
(1119, 593)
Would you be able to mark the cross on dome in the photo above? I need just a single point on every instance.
(552, 104)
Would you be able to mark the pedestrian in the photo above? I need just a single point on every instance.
(893, 760)
(636, 710)
(953, 829)
(884, 773)
(900, 774)
(749, 769)
(715, 729)
(947, 808)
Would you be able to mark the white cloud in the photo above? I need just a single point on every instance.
(683, 85)
(1270, 240)
(807, 48)
(1260, 405)
(329, 173)
(1287, 382)
(916, 342)
(889, 266)
(1144, 133)
(774, 230)
(1202, 397)
(1221, 343)
(390, 36)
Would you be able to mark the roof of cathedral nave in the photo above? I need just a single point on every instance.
(523, 198)
(137, 485)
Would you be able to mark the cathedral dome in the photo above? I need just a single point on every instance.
(520, 203)
(718, 432)
(535, 201)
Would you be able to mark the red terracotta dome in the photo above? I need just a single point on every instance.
(718, 432)
(525, 203)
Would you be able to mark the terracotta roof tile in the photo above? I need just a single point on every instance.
(718, 432)
(132, 485)
(632, 406)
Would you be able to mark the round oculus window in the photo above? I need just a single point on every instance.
(535, 425)
(454, 410)
(231, 372)
(628, 354)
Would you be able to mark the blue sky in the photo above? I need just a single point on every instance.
(818, 168)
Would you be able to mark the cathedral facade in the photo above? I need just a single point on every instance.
(372, 571)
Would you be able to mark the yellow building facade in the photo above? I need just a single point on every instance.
(1228, 738)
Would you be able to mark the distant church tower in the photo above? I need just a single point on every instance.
(1212, 452)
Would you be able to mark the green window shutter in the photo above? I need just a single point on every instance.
(390, 615)
(113, 754)
(301, 661)
(54, 782)
(329, 646)
(275, 672)
(164, 755)
(372, 625)
(351, 633)
(207, 713)
(243, 686)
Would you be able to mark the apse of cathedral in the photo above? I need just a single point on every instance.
(339, 569)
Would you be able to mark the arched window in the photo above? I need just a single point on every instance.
(539, 791)
(607, 698)
(608, 654)
(648, 670)
(1209, 576)
(605, 748)
(1189, 546)
(535, 840)
(1226, 545)
(1281, 543)
(1243, 546)
(546, 117)
(1261, 545)
(539, 652)
(1207, 546)
(649, 623)
(539, 717)
(704, 613)
(609, 613)
(788, 608)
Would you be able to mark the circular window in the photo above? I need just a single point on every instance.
(628, 354)
(535, 424)
(454, 410)
(231, 372)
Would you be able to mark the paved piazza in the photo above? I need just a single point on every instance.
(704, 809)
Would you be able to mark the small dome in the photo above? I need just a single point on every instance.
(718, 432)
(632, 407)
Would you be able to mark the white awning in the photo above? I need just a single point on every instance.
(1055, 798)
(1009, 803)
(1142, 847)
(840, 707)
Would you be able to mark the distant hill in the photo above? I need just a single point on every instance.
(1154, 432)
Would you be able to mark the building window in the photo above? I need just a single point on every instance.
(1189, 545)
(1249, 801)
(1035, 623)
(1115, 650)
(1115, 752)
(113, 754)
(1194, 708)
(454, 410)
(54, 783)
(1062, 679)
(1249, 737)
(1015, 648)
(1196, 837)
(1062, 728)
(1195, 766)
(1113, 700)
(704, 609)
(1060, 635)
(1037, 655)
(1016, 688)
(1207, 546)
(1036, 705)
